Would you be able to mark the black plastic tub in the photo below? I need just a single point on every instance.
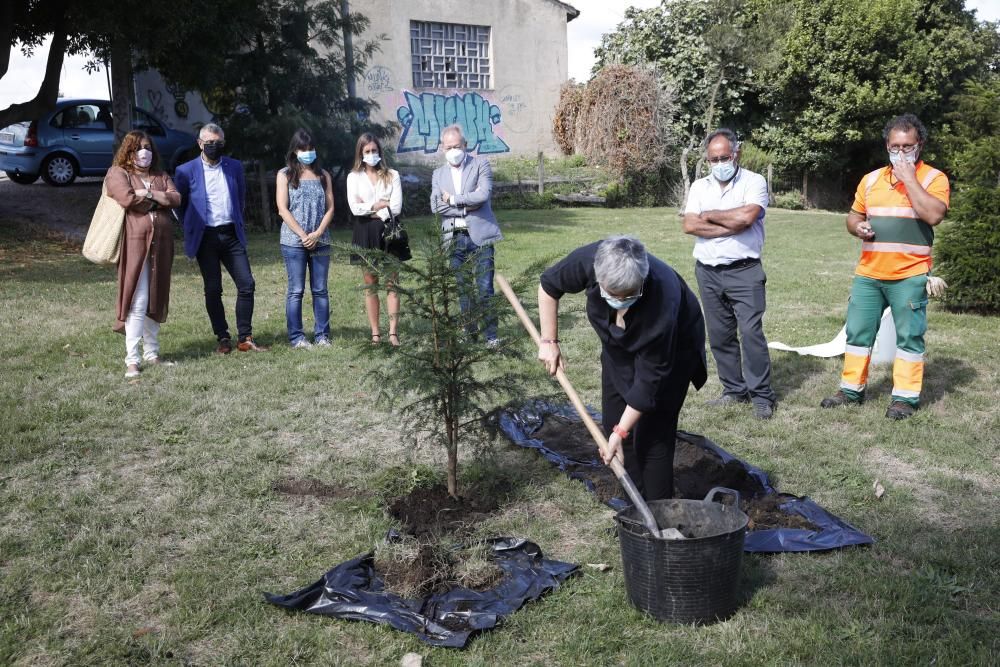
(694, 580)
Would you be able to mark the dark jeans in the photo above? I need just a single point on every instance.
(649, 449)
(221, 247)
(733, 299)
(464, 250)
(297, 260)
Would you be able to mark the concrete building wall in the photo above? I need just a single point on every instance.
(514, 115)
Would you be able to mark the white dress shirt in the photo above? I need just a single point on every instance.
(220, 206)
(456, 179)
(359, 187)
(706, 194)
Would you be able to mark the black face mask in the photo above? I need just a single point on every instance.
(212, 151)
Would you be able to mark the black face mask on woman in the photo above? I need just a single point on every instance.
(213, 151)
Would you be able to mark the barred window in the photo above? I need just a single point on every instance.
(449, 55)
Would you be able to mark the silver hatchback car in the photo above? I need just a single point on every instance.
(77, 139)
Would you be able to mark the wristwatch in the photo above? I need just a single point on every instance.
(149, 194)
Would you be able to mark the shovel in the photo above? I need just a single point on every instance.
(595, 432)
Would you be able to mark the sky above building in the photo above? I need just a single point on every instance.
(597, 17)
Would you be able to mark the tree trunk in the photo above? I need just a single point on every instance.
(805, 189)
(48, 92)
(541, 173)
(265, 198)
(453, 457)
(122, 89)
(345, 15)
(770, 184)
(684, 175)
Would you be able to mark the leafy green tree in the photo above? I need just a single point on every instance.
(846, 66)
(705, 53)
(967, 250)
(289, 72)
(442, 379)
(267, 67)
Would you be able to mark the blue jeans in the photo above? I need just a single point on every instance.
(297, 259)
(464, 250)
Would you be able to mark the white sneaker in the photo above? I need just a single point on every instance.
(301, 344)
(493, 343)
(131, 371)
(322, 342)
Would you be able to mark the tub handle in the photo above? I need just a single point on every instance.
(721, 490)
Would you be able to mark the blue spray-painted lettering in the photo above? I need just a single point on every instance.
(425, 115)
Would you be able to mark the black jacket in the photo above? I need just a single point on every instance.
(663, 326)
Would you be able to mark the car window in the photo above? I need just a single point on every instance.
(83, 117)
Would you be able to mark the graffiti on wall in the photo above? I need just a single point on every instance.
(517, 116)
(425, 115)
(378, 80)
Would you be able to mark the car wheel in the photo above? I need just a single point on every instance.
(21, 179)
(59, 169)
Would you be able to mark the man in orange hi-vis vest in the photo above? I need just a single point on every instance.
(894, 214)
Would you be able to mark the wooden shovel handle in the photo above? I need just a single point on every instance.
(595, 431)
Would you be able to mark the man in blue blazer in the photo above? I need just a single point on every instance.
(213, 193)
(460, 193)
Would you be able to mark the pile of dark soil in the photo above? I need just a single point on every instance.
(696, 472)
(431, 511)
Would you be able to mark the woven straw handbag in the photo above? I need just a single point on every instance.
(103, 244)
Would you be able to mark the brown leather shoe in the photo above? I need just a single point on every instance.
(247, 345)
(225, 346)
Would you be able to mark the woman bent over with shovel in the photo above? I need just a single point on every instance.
(653, 345)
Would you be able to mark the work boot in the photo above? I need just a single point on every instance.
(899, 410)
(726, 400)
(763, 410)
(225, 346)
(839, 399)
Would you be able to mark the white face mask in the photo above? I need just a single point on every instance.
(454, 156)
(372, 159)
(143, 158)
(899, 157)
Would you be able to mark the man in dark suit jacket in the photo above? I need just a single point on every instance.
(213, 193)
(460, 193)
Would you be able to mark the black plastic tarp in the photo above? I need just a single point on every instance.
(354, 590)
(520, 423)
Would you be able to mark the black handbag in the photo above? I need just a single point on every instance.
(397, 241)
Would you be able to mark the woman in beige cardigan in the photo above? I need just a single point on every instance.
(146, 193)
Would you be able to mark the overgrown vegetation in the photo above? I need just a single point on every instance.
(800, 80)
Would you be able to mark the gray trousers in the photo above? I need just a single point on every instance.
(733, 299)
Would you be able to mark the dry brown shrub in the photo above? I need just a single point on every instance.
(567, 110)
(622, 113)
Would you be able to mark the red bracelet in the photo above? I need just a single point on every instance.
(622, 433)
(549, 340)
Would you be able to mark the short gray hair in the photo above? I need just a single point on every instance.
(734, 143)
(457, 129)
(621, 264)
(211, 128)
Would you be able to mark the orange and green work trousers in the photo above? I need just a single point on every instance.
(907, 299)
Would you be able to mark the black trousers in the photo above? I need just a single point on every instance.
(649, 449)
(734, 299)
(221, 247)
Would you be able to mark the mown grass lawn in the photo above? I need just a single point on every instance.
(140, 524)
